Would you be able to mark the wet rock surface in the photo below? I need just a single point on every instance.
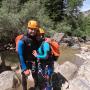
(81, 81)
(8, 80)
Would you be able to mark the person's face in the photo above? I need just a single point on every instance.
(40, 38)
(32, 32)
(48, 39)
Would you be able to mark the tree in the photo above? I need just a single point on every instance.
(54, 8)
(9, 19)
(53, 15)
(72, 13)
(86, 25)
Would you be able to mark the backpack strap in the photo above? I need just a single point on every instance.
(24, 38)
(17, 40)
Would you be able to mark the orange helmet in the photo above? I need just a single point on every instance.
(41, 31)
(33, 24)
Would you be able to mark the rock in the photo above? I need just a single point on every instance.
(81, 58)
(75, 46)
(15, 67)
(8, 80)
(56, 66)
(67, 69)
(77, 84)
(84, 72)
(84, 49)
(3, 66)
(82, 79)
(58, 36)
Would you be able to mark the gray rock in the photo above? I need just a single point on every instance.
(58, 36)
(84, 72)
(79, 60)
(67, 69)
(75, 46)
(8, 80)
(78, 84)
(82, 79)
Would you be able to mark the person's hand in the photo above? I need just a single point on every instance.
(27, 72)
(34, 53)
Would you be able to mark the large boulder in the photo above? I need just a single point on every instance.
(82, 57)
(79, 60)
(67, 69)
(8, 80)
(77, 84)
(84, 72)
(82, 79)
(58, 36)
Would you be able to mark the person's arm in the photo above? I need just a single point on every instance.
(20, 53)
(46, 49)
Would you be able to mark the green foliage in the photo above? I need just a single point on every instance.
(54, 9)
(63, 27)
(23, 1)
(74, 17)
(9, 21)
(87, 25)
(10, 6)
(75, 3)
(53, 15)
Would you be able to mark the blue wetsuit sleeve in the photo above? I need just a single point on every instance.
(46, 49)
(20, 53)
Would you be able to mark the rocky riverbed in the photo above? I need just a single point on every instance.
(70, 75)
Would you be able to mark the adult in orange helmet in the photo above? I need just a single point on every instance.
(25, 46)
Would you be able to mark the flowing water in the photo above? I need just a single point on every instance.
(66, 54)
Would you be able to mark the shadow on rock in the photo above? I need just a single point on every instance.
(57, 81)
(5, 68)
